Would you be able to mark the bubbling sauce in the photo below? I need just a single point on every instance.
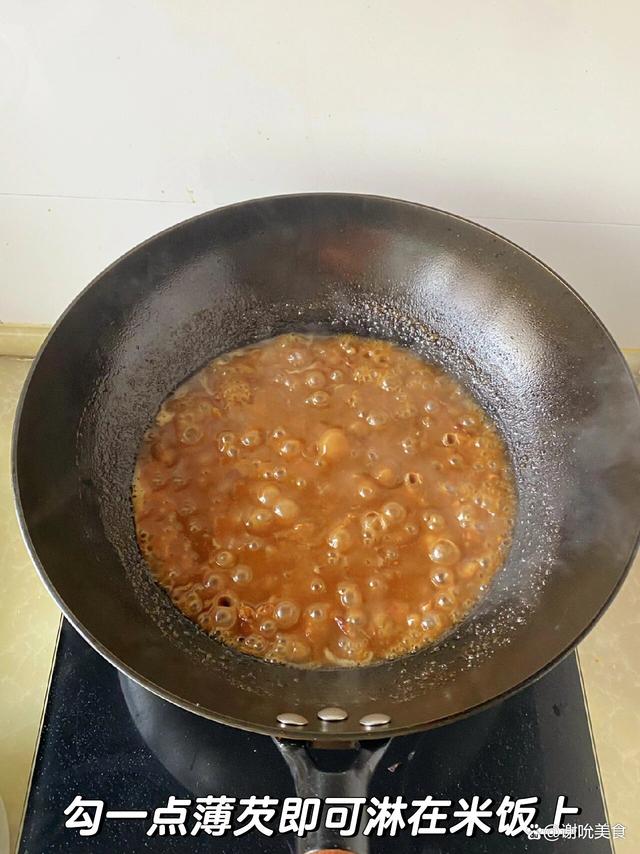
(323, 500)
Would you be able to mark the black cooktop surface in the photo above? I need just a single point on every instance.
(107, 740)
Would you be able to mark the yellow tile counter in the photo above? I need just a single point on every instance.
(28, 623)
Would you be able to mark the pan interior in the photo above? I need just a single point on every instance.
(521, 342)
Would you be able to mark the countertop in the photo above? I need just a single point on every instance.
(29, 621)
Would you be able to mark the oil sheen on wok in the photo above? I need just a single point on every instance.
(323, 500)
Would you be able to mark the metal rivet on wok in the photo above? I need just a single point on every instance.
(332, 713)
(375, 719)
(292, 719)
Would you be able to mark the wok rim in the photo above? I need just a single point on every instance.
(280, 731)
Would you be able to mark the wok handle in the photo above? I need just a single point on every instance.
(335, 771)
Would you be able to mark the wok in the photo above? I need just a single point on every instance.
(521, 341)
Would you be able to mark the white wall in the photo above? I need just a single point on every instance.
(120, 118)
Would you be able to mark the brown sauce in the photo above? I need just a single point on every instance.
(323, 500)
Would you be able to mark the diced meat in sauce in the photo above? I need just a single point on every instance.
(323, 500)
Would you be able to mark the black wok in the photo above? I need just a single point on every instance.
(515, 334)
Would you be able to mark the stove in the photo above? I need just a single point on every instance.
(107, 740)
